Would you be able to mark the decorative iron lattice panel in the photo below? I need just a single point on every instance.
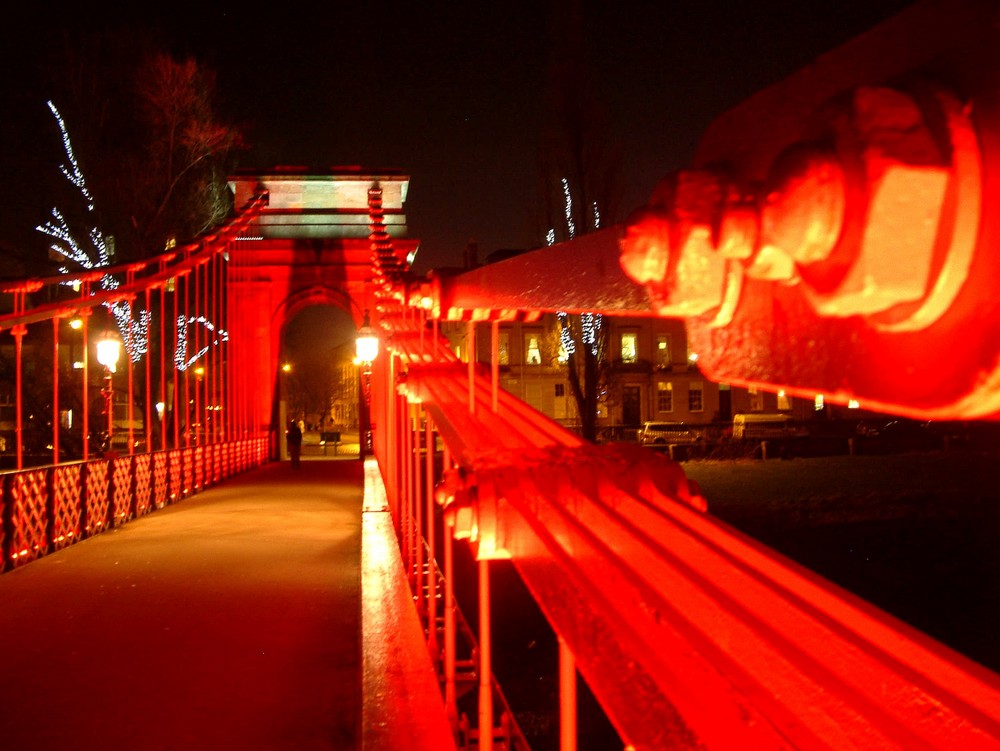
(216, 475)
(175, 467)
(27, 504)
(187, 473)
(97, 484)
(121, 490)
(199, 468)
(160, 479)
(66, 481)
(142, 476)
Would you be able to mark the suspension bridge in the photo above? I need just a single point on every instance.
(219, 599)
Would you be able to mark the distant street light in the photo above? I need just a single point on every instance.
(366, 343)
(109, 349)
(366, 350)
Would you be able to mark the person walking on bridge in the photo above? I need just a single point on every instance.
(294, 438)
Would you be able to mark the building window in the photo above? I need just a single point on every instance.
(696, 401)
(664, 396)
(532, 353)
(819, 403)
(756, 399)
(503, 348)
(560, 389)
(784, 402)
(630, 348)
(663, 351)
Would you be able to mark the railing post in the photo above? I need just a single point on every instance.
(55, 390)
(429, 444)
(411, 541)
(450, 699)
(85, 358)
(18, 331)
(470, 345)
(485, 661)
(567, 698)
(495, 364)
(418, 508)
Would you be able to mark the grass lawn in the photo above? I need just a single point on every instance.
(915, 534)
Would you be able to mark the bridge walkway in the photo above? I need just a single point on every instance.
(228, 620)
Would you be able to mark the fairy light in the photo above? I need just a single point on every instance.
(590, 325)
(565, 337)
(134, 333)
(597, 216)
(181, 359)
(568, 208)
(550, 237)
(72, 173)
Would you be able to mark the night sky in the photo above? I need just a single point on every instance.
(451, 93)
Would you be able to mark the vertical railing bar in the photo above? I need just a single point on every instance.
(198, 305)
(451, 700)
(567, 698)
(495, 364)
(130, 412)
(407, 488)
(471, 352)
(163, 364)
(186, 369)
(85, 422)
(429, 443)
(55, 390)
(485, 661)
(419, 508)
(149, 377)
(18, 331)
(176, 379)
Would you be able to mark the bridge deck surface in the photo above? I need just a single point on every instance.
(229, 620)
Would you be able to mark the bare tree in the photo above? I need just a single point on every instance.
(579, 170)
(147, 135)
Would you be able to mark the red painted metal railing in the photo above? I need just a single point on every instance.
(190, 416)
(690, 634)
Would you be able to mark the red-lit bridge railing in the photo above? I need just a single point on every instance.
(87, 448)
(831, 239)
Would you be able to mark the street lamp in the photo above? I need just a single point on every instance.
(109, 349)
(366, 343)
(366, 350)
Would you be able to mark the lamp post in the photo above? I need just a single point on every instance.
(366, 350)
(109, 349)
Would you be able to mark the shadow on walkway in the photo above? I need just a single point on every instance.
(227, 621)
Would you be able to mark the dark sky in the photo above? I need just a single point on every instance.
(451, 93)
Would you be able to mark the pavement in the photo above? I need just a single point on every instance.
(230, 620)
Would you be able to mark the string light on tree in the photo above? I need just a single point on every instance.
(568, 208)
(134, 333)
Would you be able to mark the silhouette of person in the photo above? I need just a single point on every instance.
(294, 437)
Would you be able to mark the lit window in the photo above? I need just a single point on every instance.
(503, 347)
(533, 355)
(630, 348)
(665, 396)
(663, 350)
(756, 399)
(854, 404)
(696, 401)
(784, 402)
(819, 403)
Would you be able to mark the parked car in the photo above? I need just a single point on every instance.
(764, 425)
(664, 433)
